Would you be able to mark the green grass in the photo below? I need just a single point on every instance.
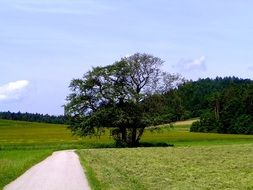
(15, 162)
(27, 135)
(183, 168)
(185, 138)
(22, 144)
(180, 135)
(31, 135)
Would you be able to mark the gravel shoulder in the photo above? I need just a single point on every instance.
(60, 171)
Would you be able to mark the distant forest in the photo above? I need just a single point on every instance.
(190, 99)
(33, 117)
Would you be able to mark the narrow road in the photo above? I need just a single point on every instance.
(60, 171)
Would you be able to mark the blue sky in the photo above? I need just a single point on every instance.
(46, 43)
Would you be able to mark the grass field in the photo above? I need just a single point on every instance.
(183, 168)
(29, 135)
(26, 135)
(14, 162)
(22, 144)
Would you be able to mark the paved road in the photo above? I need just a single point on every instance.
(61, 171)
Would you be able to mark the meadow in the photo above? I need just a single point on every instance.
(182, 168)
(31, 135)
(22, 144)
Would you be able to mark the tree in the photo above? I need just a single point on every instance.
(215, 101)
(113, 97)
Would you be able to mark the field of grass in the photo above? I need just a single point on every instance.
(26, 135)
(179, 134)
(15, 162)
(22, 144)
(183, 168)
(31, 135)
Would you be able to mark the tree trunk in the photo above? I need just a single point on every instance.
(134, 142)
(123, 134)
(217, 110)
(141, 131)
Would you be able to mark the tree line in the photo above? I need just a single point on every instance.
(224, 105)
(229, 111)
(195, 98)
(33, 117)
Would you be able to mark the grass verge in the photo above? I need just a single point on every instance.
(15, 162)
(93, 182)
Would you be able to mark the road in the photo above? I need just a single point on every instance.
(60, 171)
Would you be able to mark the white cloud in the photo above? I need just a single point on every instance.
(195, 64)
(13, 90)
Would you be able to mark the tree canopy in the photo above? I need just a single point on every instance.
(114, 97)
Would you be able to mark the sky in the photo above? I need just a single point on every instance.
(44, 44)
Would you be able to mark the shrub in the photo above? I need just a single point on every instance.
(196, 126)
(243, 125)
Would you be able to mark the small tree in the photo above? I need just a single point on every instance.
(112, 97)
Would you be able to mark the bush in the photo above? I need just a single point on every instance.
(196, 127)
(207, 123)
(243, 125)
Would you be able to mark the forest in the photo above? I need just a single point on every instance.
(33, 117)
(224, 105)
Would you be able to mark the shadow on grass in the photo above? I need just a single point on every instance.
(142, 144)
(65, 146)
(155, 144)
(146, 144)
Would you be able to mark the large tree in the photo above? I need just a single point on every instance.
(113, 97)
